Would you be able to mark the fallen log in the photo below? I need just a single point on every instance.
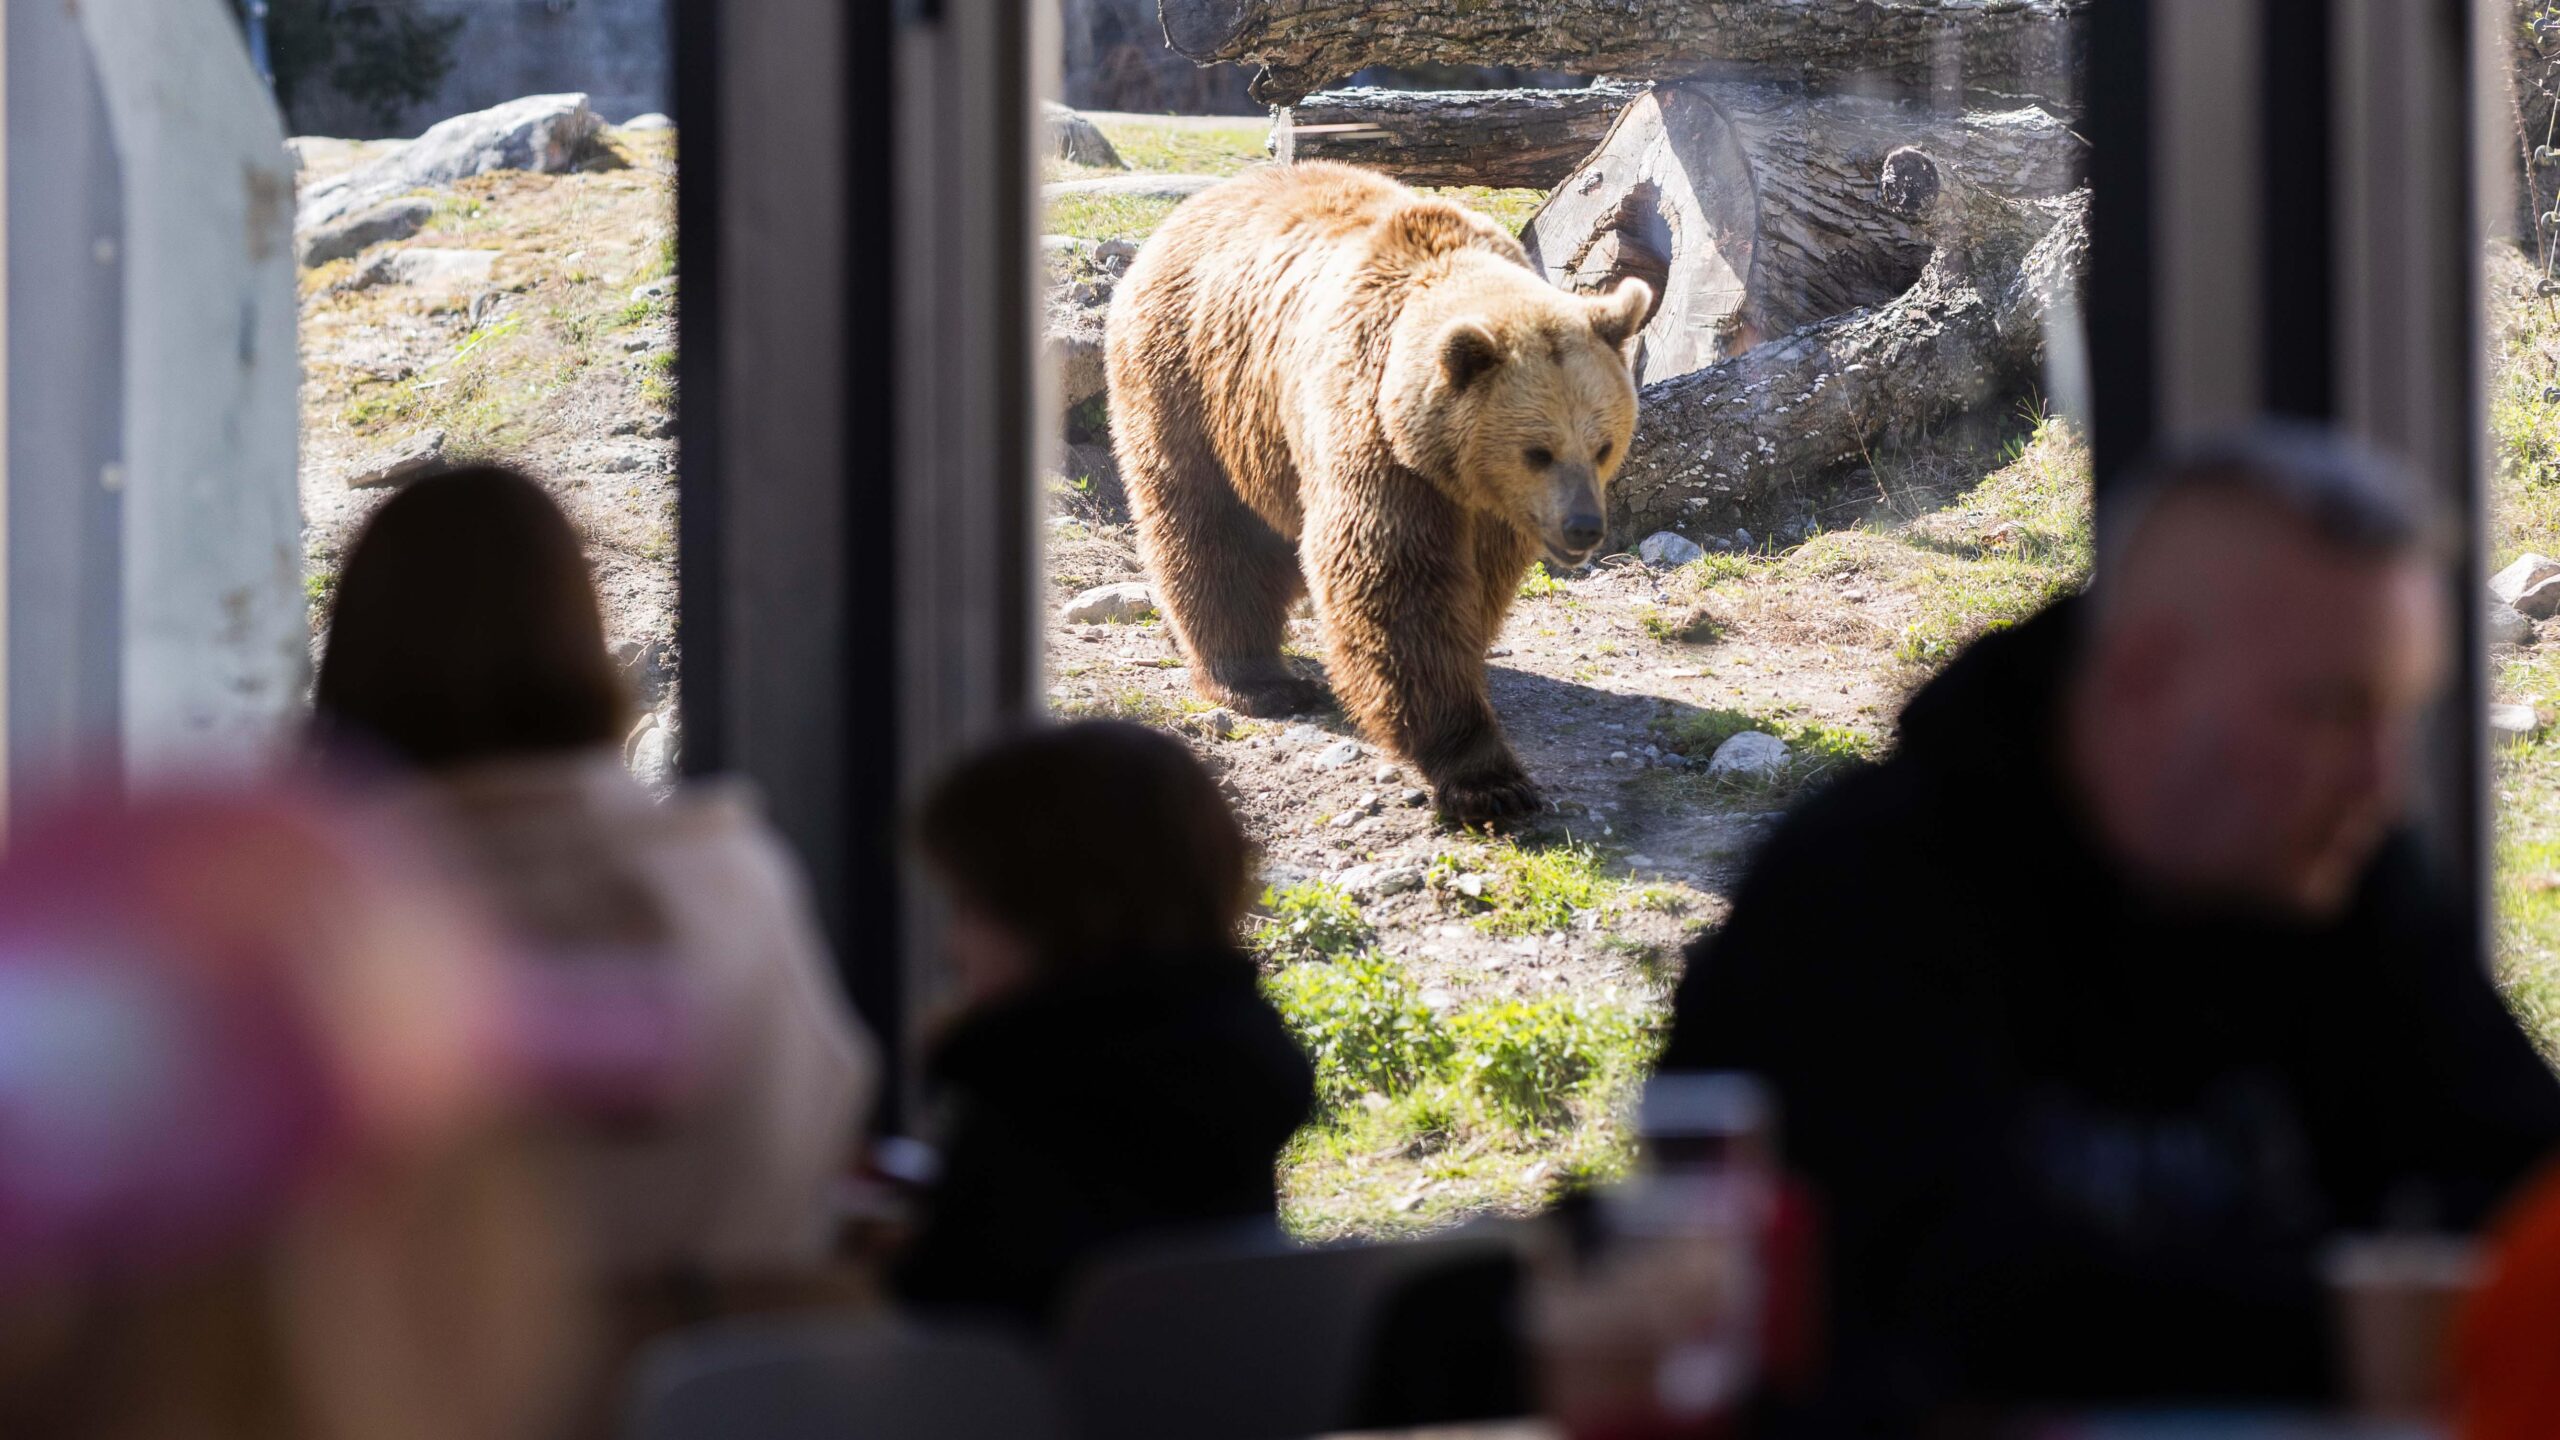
(1731, 438)
(1528, 139)
(2024, 48)
(1752, 210)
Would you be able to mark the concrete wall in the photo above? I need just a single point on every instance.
(215, 644)
(613, 50)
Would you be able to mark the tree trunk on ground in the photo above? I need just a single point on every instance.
(1753, 210)
(1734, 436)
(2024, 48)
(1504, 138)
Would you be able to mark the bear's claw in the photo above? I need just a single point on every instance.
(1476, 802)
(1279, 698)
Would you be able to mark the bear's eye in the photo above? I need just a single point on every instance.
(1538, 459)
(1606, 446)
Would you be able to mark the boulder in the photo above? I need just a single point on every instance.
(2513, 724)
(391, 220)
(542, 133)
(2526, 576)
(401, 463)
(2509, 626)
(1078, 141)
(1125, 603)
(1664, 550)
(427, 268)
(1751, 755)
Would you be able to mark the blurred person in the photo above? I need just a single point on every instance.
(1111, 1068)
(258, 1174)
(2124, 981)
(466, 647)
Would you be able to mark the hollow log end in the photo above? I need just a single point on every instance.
(1910, 184)
(1202, 29)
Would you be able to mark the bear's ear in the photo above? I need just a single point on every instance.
(1618, 315)
(1468, 352)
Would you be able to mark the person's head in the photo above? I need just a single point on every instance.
(466, 628)
(262, 1176)
(1079, 845)
(2267, 626)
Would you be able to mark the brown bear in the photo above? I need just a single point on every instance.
(1324, 383)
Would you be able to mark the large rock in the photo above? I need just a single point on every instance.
(1751, 755)
(391, 220)
(1124, 603)
(2514, 724)
(427, 268)
(2509, 626)
(2520, 577)
(401, 463)
(543, 133)
(1078, 141)
(1664, 550)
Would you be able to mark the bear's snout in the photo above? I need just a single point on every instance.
(1574, 523)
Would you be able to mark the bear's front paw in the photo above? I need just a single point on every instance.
(1273, 699)
(1478, 800)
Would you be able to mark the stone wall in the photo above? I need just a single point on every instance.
(615, 51)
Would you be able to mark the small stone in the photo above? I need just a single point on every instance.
(1283, 877)
(1751, 755)
(1124, 603)
(1115, 254)
(2514, 724)
(1303, 735)
(654, 290)
(1366, 804)
(401, 463)
(1219, 724)
(651, 121)
(1664, 550)
(1337, 755)
(1470, 885)
(628, 461)
(1617, 757)
(1497, 652)
(1414, 799)
(1742, 540)
(1345, 820)
(1399, 880)
(1384, 774)
(2509, 626)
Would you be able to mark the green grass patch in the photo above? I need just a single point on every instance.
(1188, 147)
(1309, 922)
(1538, 584)
(1533, 890)
(1107, 217)
(1363, 1025)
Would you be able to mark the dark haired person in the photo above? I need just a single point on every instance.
(465, 648)
(1111, 1068)
(2125, 983)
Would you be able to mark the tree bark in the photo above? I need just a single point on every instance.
(2025, 48)
(1753, 210)
(1525, 139)
(1728, 439)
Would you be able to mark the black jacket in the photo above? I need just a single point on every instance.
(2073, 1146)
(1096, 1108)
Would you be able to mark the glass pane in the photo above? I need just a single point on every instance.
(503, 288)
(2524, 526)
(1852, 456)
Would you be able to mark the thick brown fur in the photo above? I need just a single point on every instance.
(1323, 383)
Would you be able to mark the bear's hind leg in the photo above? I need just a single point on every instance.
(1225, 581)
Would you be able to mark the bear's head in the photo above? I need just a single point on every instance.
(1518, 399)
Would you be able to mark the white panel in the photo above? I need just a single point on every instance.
(216, 645)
